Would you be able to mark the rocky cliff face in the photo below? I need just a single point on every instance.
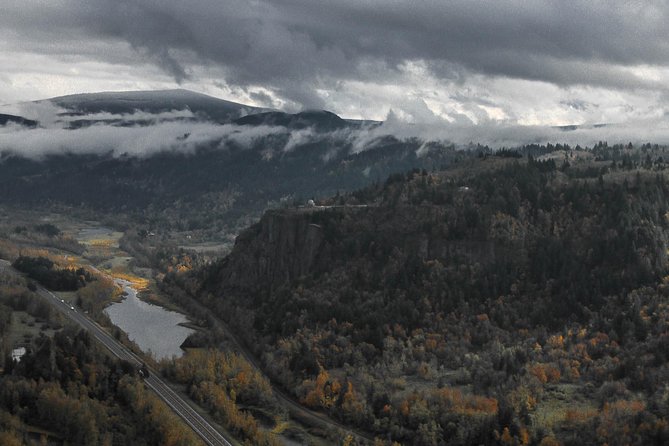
(521, 248)
(282, 247)
(493, 277)
(481, 242)
(287, 245)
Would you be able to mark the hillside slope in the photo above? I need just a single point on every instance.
(214, 188)
(459, 305)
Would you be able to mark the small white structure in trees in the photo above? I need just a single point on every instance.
(18, 353)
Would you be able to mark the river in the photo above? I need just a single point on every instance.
(153, 328)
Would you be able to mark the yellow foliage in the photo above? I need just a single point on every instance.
(545, 373)
(506, 437)
(581, 351)
(624, 407)
(580, 415)
(139, 283)
(101, 243)
(352, 403)
(467, 404)
(538, 372)
(522, 399)
(316, 396)
(405, 408)
(617, 421)
(556, 341)
(599, 338)
(323, 392)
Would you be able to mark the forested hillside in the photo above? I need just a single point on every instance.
(506, 299)
(214, 189)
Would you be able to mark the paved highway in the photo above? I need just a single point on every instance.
(206, 431)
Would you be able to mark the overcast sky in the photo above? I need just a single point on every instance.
(516, 62)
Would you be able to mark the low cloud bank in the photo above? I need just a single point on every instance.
(176, 131)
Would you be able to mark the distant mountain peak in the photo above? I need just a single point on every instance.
(133, 95)
(205, 107)
(154, 101)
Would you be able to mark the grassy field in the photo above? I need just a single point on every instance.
(25, 328)
(552, 411)
(211, 248)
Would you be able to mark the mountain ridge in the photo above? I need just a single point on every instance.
(14, 119)
(203, 106)
(154, 101)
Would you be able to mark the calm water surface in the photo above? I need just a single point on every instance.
(151, 327)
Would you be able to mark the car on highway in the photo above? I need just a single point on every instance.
(71, 307)
(144, 371)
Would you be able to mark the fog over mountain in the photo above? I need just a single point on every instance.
(185, 151)
(145, 123)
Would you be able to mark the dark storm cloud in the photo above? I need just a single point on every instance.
(295, 47)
